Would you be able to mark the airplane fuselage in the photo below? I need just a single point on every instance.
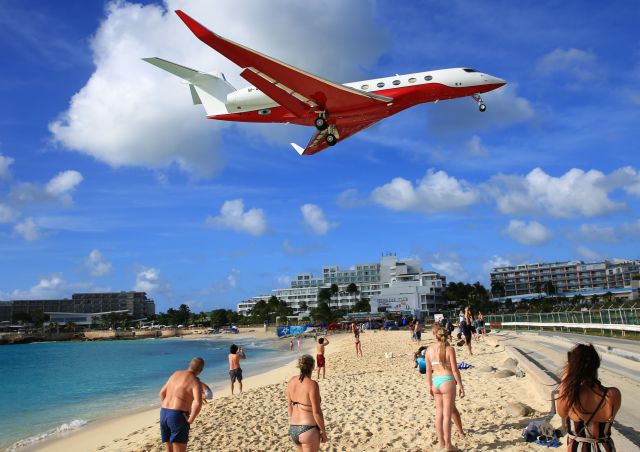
(252, 105)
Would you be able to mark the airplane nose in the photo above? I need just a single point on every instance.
(491, 80)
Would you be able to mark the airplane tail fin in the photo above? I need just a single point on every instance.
(207, 89)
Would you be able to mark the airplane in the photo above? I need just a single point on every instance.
(281, 93)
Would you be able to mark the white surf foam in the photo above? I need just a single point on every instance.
(60, 430)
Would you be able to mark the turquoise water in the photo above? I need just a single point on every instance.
(59, 386)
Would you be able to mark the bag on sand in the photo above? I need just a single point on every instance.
(542, 433)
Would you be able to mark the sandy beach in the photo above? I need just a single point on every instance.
(372, 403)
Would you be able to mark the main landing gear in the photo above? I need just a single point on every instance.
(332, 137)
(321, 121)
(481, 105)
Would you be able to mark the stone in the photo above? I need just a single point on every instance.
(519, 409)
(520, 373)
(504, 373)
(510, 364)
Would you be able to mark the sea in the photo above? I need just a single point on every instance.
(52, 388)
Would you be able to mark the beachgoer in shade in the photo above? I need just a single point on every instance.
(412, 330)
(442, 377)
(586, 406)
(306, 421)
(356, 334)
(235, 371)
(418, 330)
(481, 328)
(181, 401)
(322, 342)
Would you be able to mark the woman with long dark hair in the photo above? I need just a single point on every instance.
(585, 405)
(306, 421)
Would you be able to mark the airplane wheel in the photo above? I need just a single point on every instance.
(482, 107)
(320, 123)
(331, 139)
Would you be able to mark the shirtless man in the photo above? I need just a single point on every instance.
(235, 372)
(181, 401)
(322, 342)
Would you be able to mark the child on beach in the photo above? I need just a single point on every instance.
(586, 406)
(306, 421)
(235, 371)
(442, 377)
(322, 342)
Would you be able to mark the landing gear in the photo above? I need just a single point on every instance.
(332, 136)
(321, 121)
(481, 105)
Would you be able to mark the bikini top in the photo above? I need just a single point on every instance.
(299, 403)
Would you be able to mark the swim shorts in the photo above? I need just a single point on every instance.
(174, 427)
(235, 374)
(320, 360)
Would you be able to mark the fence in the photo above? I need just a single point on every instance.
(615, 319)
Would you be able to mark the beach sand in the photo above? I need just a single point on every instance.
(369, 403)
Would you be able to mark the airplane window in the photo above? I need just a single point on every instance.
(412, 80)
(427, 77)
(380, 84)
(469, 70)
(364, 87)
(396, 82)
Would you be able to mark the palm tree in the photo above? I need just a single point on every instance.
(70, 326)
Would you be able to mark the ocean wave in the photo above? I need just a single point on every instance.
(64, 428)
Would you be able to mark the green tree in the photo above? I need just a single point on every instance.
(70, 327)
(362, 305)
(549, 287)
(303, 306)
(183, 314)
(218, 317)
(334, 289)
(498, 289)
(23, 317)
(322, 313)
(324, 295)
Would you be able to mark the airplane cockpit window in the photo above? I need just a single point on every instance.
(412, 80)
(364, 87)
(396, 82)
(380, 84)
(427, 77)
(469, 70)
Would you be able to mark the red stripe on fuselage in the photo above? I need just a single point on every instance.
(403, 98)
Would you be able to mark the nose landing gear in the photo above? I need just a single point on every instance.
(481, 105)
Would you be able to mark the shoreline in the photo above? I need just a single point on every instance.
(98, 434)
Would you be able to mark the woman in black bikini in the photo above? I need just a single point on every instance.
(586, 406)
(306, 421)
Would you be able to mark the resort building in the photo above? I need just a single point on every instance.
(378, 282)
(137, 304)
(569, 279)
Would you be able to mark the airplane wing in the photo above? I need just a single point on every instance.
(317, 143)
(303, 91)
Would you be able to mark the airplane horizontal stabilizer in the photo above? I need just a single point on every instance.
(298, 149)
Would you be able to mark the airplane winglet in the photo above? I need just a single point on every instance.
(298, 149)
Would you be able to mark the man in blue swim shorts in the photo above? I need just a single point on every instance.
(181, 398)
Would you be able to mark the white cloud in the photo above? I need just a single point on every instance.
(5, 163)
(232, 216)
(315, 219)
(575, 193)
(148, 280)
(232, 278)
(588, 254)
(28, 229)
(450, 265)
(51, 287)
(532, 233)
(575, 63)
(97, 264)
(132, 114)
(597, 233)
(504, 107)
(631, 229)
(436, 192)
(476, 148)
(63, 183)
(349, 199)
(284, 281)
(627, 178)
(495, 261)
(7, 215)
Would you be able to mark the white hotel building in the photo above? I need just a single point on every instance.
(390, 285)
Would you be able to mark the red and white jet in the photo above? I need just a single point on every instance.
(283, 93)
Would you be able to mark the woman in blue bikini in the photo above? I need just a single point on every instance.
(306, 421)
(442, 377)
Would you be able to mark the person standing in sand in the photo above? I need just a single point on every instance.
(299, 341)
(322, 342)
(356, 334)
(306, 421)
(418, 330)
(181, 401)
(442, 377)
(235, 371)
(465, 327)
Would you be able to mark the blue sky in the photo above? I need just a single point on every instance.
(111, 180)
